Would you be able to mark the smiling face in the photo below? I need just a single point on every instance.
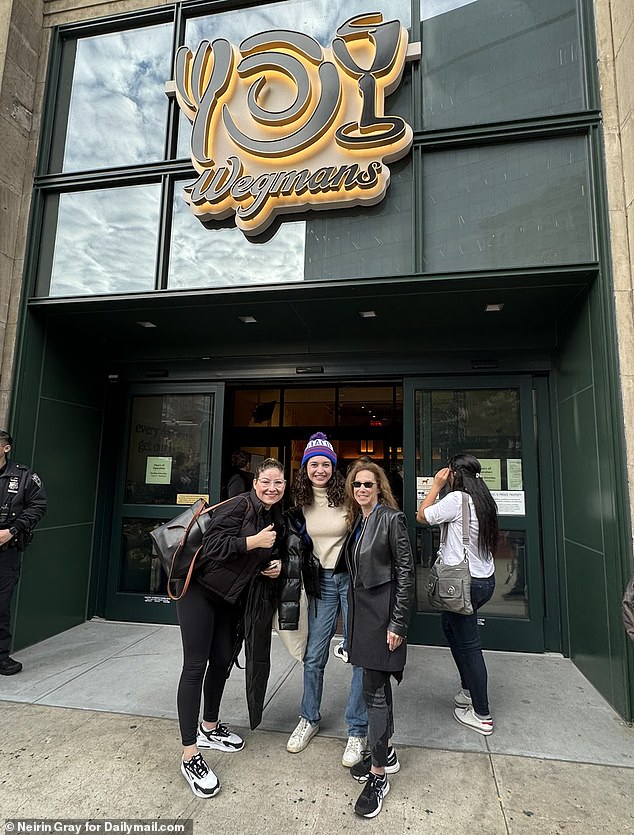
(269, 486)
(365, 496)
(319, 470)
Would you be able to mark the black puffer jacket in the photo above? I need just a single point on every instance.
(299, 564)
(226, 567)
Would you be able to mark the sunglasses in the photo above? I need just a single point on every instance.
(366, 484)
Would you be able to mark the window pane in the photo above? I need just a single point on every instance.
(105, 242)
(169, 449)
(259, 407)
(141, 569)
(118, 107)
(497, 60)
(220, 257)
(522, 204)
(309, 407)
(368, 406)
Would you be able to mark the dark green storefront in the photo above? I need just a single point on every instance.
(485, 268)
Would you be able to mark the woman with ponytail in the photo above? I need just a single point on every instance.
(463, 475)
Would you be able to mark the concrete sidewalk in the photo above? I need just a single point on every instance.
(88, 730)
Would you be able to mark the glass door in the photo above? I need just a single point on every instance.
(495, 420)
(172, 448)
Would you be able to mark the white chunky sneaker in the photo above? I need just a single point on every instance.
(301, 736)
(202, 781)
(354, 751)
(221, 738)
(339, 652)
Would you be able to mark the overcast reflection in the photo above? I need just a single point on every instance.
(106, 241)
(224, 257)
(118, 105)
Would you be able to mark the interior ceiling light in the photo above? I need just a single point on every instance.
(367, 314)
(147, 325)
(248, 320)
(494, 308)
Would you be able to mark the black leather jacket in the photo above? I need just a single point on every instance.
(384, 555)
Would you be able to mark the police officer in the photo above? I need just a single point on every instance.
(22, 505)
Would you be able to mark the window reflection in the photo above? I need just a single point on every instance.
(222, 256)
(105, 241)
(497, 60)
(523, 204)
(141, 569)
(118, 108)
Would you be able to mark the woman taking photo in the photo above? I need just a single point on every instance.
(463, 476)
(378, 554)
(236, 547)
(317, 529)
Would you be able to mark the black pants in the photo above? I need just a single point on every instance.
(10, 563)
(208, 629)
(377, 692)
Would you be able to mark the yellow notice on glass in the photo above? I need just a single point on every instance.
(158, 469)
(190, 498)
(492, 472)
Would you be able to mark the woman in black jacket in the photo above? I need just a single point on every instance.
(379, 558)
(236, 547)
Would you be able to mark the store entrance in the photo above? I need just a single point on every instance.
(277, 423)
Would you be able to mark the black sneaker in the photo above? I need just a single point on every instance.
(361, 770)
(370, 800)
(9, 667)
(220, 738)
(203, 782)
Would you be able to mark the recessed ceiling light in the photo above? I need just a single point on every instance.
(248, 320)
(147, 325)
(494, 308)
(367, 314)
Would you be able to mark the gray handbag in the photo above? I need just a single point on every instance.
(449, 586)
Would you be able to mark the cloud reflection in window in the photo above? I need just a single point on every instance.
(106, 241)
(118, 106)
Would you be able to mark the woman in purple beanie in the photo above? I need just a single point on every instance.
(317, 528)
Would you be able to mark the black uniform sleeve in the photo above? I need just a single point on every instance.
(34, 503)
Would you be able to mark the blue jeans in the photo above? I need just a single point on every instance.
(463, 636)
(322, 625)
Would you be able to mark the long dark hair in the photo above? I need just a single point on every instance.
(466, 471)
(302, 490)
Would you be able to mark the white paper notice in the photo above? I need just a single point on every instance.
(509, 502)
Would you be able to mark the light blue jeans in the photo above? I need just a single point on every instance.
(322, 625)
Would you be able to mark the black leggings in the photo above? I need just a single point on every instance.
(208, 630)
(377, 692)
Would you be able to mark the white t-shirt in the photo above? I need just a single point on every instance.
(449, 510)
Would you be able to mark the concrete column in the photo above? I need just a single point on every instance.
(20, 48)
(615, 42)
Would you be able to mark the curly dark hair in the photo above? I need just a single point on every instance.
(302, 490)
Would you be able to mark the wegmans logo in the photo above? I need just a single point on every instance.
(283, 124)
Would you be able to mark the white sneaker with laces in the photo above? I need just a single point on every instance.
(220, 738)
(462, 699)
(354, 751)
(466, 716)
(202, 781)
(301, 736)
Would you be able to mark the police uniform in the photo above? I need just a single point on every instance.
(22, 505)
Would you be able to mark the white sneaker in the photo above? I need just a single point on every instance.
(467, 717)
(339, 652)
(462, 699)
(354, 751)
(221, 738)
(301, 736)
(202, 781)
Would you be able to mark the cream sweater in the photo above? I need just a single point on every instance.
(326, 527)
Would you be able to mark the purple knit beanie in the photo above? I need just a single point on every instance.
(319, 445)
